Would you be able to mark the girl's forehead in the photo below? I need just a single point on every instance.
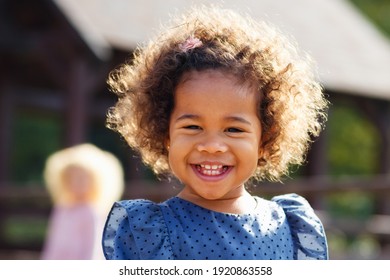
(214, 92)
(214, 74)
(215, 78)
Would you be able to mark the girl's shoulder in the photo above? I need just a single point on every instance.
(138, 211)
(306, 228)
(135, 229)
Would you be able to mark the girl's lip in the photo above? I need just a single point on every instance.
(211, 171)
(211, 163)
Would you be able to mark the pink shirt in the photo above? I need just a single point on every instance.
(73, 234)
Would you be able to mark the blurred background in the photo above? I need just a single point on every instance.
(55, 56)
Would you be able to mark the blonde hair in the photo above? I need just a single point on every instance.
(292, 107)
(104, 168)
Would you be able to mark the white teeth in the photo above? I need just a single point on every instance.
(214, 167)
(211, 170)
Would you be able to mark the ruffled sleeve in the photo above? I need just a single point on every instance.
(135, 230)
(306, 228)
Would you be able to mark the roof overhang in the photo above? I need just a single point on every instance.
(352, 55)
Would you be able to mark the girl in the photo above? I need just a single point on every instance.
(83, 182)
(217, 100)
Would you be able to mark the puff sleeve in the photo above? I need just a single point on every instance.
(306, 228)
(135, 230)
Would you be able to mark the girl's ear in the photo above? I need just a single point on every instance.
(260, 152)
(167, 144)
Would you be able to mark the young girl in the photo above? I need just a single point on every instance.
(83, 182)
(217, 100)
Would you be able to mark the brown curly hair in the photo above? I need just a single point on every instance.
(292, 107)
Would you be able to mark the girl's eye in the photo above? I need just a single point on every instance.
(234, 130)
(192, 127)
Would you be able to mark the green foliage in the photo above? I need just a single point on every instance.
(35, 138)
(353, 143)
(351, 204)
(377, 11)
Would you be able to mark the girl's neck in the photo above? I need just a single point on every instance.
(243, 203)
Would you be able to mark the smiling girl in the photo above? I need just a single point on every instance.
(217, 100)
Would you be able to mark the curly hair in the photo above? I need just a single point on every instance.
(292, 108)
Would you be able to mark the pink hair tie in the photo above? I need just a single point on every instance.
(191, 43)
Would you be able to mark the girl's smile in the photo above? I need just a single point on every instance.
(211, 171)
(214, 136)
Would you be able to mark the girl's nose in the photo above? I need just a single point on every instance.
(212, 144)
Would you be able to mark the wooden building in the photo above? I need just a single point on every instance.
(55, 56)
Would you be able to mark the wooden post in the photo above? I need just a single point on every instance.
(383, 123)
(378, 111)
(76, 104)
(317, 166)
(384, 127)
(6, 117)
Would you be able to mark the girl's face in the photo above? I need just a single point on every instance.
(78, 184)
(214, 135)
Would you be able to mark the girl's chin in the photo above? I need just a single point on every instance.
(202, 198)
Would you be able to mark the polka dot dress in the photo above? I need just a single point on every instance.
(283, 228)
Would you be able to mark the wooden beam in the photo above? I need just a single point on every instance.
(76, 105)
(383, 122)
(6, 119)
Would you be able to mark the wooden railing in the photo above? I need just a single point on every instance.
(31, 206)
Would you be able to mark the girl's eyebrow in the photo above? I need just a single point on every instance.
(238, 119)
(187, 116)
(228, 118)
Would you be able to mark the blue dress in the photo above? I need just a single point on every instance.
(285, 227)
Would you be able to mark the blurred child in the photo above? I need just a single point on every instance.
(217, 100)
(83, 182)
